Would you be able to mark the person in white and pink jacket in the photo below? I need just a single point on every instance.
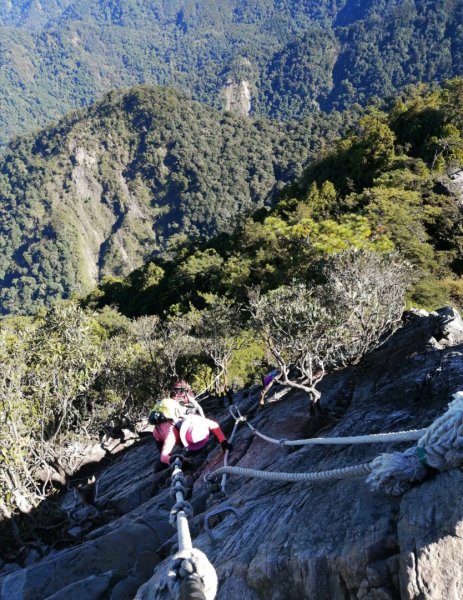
(173, 427)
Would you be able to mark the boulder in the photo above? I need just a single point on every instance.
(73, 573)
(430, 538)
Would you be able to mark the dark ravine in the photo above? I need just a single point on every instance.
(334, 540)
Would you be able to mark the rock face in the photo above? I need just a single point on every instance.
(431, 539)
(332, 540)
(453, 183)
(237, 96)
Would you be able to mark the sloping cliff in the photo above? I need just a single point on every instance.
(332, 540)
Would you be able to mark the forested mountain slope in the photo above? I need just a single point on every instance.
(294, 56)
(139, 173)
(30, 14)
(395, 180)
(148, 175)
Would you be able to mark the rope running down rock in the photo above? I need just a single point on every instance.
(374, 438)
(439, 449)
(191, 575)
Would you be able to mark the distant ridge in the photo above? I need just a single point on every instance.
(296, 56)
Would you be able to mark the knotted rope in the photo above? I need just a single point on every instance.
(341, 473)
(191, 576)
(374, 438)
(439, 449)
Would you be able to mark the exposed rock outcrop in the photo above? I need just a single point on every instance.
(333, 540)
(453, 183)
(237, 97)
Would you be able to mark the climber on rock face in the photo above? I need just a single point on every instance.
(181, 392)
(268, 381)
(174, 427)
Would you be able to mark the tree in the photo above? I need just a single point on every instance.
(46, 371)
(65, 360)
(18, 490)
(298, 331)
(124, 386)
(165, 342)
(311, 330)
(218, 329)
(367, 291)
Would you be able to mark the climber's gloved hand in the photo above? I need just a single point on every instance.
(226, 446)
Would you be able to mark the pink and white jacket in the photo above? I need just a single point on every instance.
(169, 436)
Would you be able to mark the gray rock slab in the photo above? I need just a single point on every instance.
(430, 531)
(89, 587)
(118, 552)
(126, 483)
(337, 540)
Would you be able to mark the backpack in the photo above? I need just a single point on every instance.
(267, 379)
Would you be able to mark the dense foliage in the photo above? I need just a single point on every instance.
(297, 55)
(310, 330)
(385, 185)
(401, 169)
(68, 375)
(65, 376)
(137, 174)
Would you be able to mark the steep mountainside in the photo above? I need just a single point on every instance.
(30, 14)
(137, 174)
(291, 56)
(329, 540)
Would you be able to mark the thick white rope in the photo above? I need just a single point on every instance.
(374, 438)
(183, 532)
(440, 447)
(188, 563)
(341, 473)
(188, 569)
